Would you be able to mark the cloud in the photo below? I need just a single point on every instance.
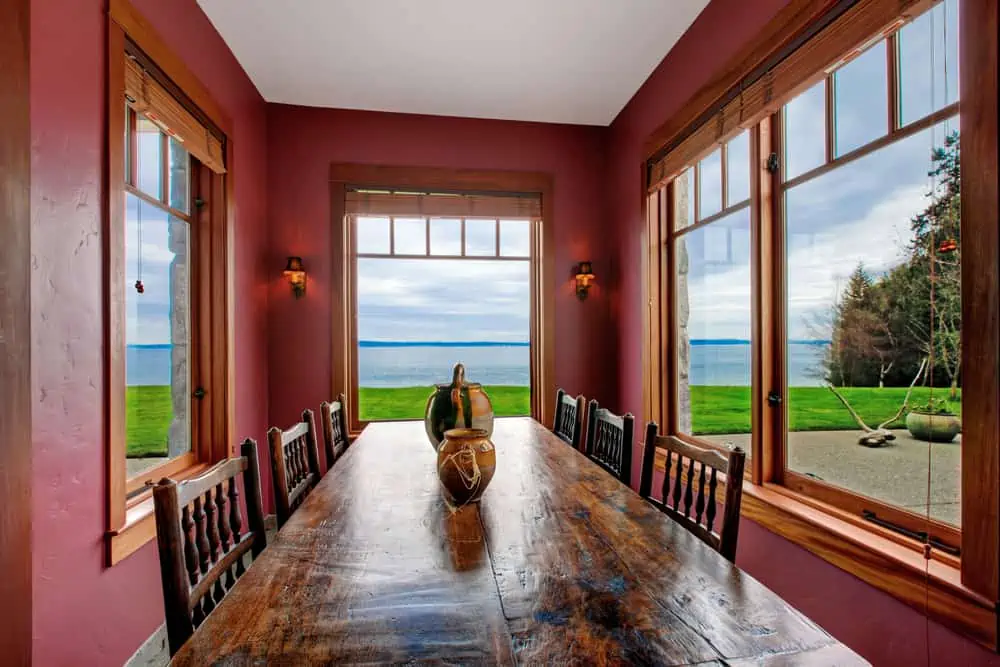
(858, 213)
(434, 300)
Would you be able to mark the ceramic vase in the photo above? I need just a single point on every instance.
(466, 463)
(459, 404)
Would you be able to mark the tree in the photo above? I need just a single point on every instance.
(884, 327)
(863, 349)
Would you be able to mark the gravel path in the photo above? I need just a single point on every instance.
(895, 474)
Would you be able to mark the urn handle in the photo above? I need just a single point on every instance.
(458, 377)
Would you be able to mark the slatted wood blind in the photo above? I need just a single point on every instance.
(442, 205)
(854, 29)
(148, 97)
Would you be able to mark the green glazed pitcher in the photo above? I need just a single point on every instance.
(460, 404)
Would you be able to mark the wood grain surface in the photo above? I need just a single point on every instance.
(559, 564)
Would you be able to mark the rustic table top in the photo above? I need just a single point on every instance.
(561, 563)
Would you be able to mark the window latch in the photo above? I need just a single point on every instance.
(774, 399)
(198, 393)
(772, 163)
(918, 535)
(199, 202)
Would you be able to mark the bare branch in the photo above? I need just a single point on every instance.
(865, 427)
(906, 399)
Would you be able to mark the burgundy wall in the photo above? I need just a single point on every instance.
(882, 629)
(85, 613)
(302, 142)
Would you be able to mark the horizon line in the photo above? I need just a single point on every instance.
(499, 343)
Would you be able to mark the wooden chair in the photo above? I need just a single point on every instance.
(334, 416)
(199, 531)
(568, 422)
(294, 463)
(609, 441)
(679, 502)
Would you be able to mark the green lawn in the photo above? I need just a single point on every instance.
(727, 409)
(410, 402)
(716, 409)
(148, 414)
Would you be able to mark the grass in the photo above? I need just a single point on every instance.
(716, 410)
(410, 402)
(148, 413)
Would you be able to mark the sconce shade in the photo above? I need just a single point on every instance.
(584, 276)
(295, 273)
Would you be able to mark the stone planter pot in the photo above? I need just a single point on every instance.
(460, 404)
(935, 428)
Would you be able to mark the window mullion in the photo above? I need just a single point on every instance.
(892, 65)
(831, 118)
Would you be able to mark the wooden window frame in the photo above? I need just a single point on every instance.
(348, 176)
(130, 511)
(961, 593)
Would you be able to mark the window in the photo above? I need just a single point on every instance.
(833, 261)
(711, 260)
(870, 295)
(438, 272)
(420, 312)
(168, 290)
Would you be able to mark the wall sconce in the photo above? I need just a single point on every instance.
(584, 278)
(295, 273)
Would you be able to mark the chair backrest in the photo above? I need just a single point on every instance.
(295, 464)
(202, 544)
(568, 422)
(609, 441)
(334, 418)
(678, 496)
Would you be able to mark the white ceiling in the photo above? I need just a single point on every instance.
(560, 61)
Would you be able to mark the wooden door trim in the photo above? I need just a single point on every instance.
(544, 280)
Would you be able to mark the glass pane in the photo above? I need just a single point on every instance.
(805, 131)
(157, 336)
(861, 103)
(861, 316)
(416, 320)
(150, 158)
(410, 236)
(684, 199)
(180, 177)
(446, 237)
(713, 330)
(738, 169)
(481, 238)
(515, 238)
(928, 62)
(710, 185)
(372, 235)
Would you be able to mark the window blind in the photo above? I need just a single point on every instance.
(148, 97)
(399, 204)
(853, 30)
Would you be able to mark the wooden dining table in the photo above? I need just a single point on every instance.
(560, 563)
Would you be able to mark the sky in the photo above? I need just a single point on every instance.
(444, 299)
(856, 213)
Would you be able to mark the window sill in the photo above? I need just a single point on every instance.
(140, 524)
(879, 560)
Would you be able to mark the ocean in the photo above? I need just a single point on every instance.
(408, 365)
